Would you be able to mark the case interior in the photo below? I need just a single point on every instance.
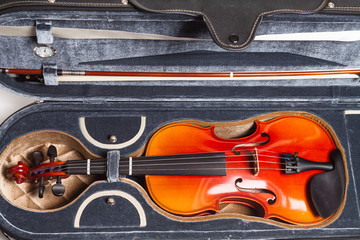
(125, 106)
(146, 55)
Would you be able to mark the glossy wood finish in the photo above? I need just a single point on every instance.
(196, 195)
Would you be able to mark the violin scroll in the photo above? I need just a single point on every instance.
(40, 172)
(19, 173)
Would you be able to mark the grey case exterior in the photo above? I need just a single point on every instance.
(126, 103)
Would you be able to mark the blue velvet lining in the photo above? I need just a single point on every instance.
(64, 117)
(189, 56)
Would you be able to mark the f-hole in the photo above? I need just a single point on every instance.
(252, 144)
(270, 201)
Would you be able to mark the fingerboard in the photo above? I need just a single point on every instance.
(199, 164)
(85, 167)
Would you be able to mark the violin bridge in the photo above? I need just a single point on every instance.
(256, 168)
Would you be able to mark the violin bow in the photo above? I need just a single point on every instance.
(36, 75)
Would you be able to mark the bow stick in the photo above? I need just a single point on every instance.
(73, 75)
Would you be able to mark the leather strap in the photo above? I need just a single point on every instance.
(112, 169)
(232, 23)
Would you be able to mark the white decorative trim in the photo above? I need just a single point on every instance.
(122, 194)
(88, 167)
(352, 112)
(112, 146)
(130, 166)
(336, 36)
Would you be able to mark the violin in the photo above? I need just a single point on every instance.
(288, 169)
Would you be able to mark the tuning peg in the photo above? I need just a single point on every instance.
(58, 189)
(41, 188)
(52, 153)
(37, 158)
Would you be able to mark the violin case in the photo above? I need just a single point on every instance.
(168, 36)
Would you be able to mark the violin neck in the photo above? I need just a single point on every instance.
(199, 164)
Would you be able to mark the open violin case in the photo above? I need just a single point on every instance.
(105, 118)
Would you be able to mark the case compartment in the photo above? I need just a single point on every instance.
(162, 102)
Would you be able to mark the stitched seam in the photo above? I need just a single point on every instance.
(254, 25)
(62, 3)
(343, 8)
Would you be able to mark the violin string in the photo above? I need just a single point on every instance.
(259, 153)
(250, 150)
(194, 163)
(102, 166)
(96, 163)
(197, 169)
(258, 149)
(227, 156)
(85, 163)
(203, 157)
(201, 169)
(101, 161)
(264, 150)
(150, 165)
(135, 163)
(172, 163)
(102, 171)
(187, 158)
(142, 165)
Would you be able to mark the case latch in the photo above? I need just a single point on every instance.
(113, 164)
(43, 32)
(50, 74)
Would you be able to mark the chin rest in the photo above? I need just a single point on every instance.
(327, 189)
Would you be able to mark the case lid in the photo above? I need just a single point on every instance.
(134, 41)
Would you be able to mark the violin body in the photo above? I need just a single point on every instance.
(271, 192)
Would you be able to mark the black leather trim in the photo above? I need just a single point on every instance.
(343, 7)
(237, 18)
(26, 5)
(87, 3)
